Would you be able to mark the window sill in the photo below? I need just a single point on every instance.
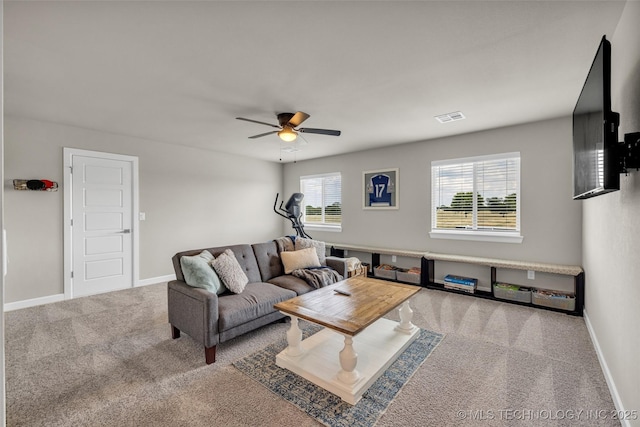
(323, 227)
(478, 236)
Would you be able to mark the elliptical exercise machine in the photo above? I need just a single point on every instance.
(293, 212)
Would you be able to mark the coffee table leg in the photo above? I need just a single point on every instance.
(294, 338)
(348, 362)
(406, 314)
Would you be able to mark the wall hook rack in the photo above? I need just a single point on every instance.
(35, 184)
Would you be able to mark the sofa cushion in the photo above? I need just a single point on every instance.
(198, 272)
(268, 260)
(287, 281)
(303, 258)
(255, 301)
(229, 270)
(318, 245)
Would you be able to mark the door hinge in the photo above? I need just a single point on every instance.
(72, 222)
(71, 169)
(72, 274)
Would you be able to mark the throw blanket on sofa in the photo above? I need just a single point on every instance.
(285, 243)
(318, 277)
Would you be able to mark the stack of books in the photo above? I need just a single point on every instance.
(466, 284)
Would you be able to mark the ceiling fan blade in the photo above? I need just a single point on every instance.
(260, 123)
(298, 118)
(320, 131)
(263, 134)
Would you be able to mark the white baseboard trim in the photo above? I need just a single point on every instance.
(605, 370)
(10, 306)
(154, 280)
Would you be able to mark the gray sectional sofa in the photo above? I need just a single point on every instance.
(211, 319)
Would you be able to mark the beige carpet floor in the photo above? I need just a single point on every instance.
(109, 360)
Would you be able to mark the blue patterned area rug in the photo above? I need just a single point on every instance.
(326, 407)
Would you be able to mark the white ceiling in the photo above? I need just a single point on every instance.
(180, 72)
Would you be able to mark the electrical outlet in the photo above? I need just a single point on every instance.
(142, 216)
(531, 275)
(346, 252)
(394, 258)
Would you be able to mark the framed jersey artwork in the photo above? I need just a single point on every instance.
(380, 189)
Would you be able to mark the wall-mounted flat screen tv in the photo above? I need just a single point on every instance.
(595, 132)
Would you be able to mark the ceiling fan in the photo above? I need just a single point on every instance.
(288, 125)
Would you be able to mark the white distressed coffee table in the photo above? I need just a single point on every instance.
(357, 344)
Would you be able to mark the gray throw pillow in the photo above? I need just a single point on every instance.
(199, 273)
(230, 271)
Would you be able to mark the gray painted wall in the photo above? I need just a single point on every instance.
(192, 198)
(550, 234)
(611, 234)
(3, 404)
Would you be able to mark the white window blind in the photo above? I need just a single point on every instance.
(477, 194)
(322, 204)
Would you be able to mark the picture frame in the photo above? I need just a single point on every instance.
(380, 189)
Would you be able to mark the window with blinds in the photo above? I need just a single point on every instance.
(322, 204)
(476, 195)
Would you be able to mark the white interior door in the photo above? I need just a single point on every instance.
(101, 225)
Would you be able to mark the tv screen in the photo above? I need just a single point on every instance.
(595, 131)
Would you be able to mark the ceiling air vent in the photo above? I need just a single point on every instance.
(450, 117)
(290, 149)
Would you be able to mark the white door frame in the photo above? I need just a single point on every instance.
(67, 155)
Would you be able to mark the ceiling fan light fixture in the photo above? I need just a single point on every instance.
(289, 126)
(287, 134)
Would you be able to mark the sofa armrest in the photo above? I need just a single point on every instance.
(338, 264)
(193, 311)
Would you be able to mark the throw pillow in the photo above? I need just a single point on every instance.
(303, 243)
(303, 258)
(230, 271)
(198, 273)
